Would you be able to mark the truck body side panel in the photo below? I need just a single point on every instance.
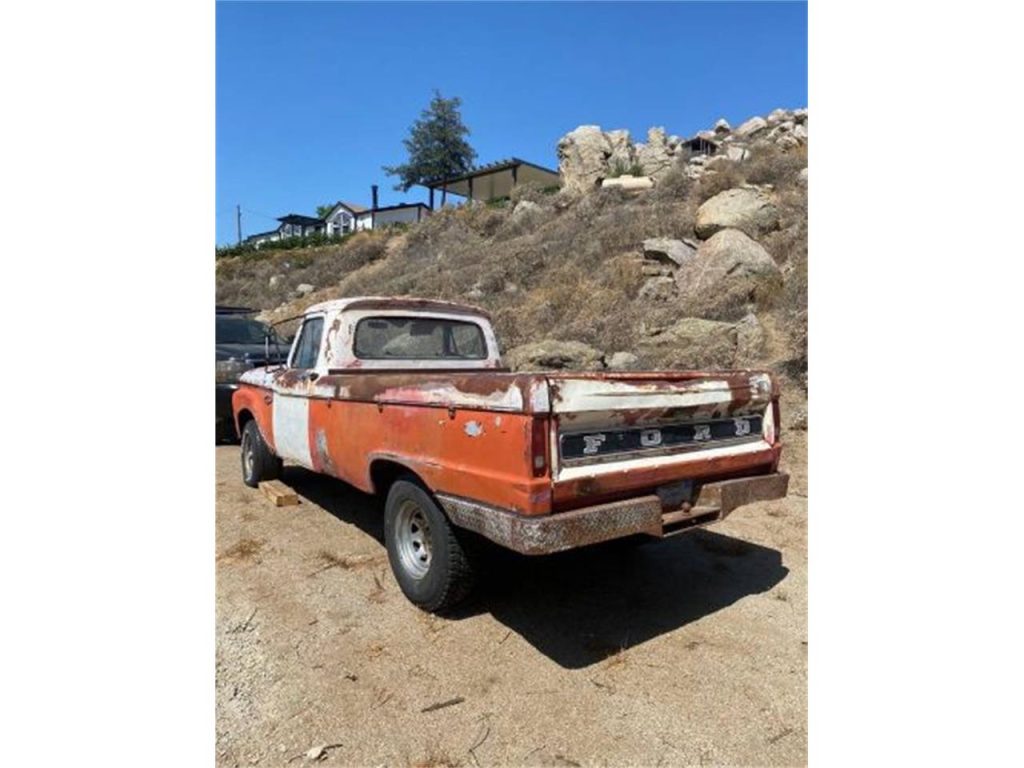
(477, 454)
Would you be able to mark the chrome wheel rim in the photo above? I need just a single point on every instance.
(412, 539)
(248, 456)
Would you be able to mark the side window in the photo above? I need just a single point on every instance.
(308, 346)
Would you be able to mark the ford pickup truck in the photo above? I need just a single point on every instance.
(407, 398)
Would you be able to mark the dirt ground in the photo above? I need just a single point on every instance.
(689, 650)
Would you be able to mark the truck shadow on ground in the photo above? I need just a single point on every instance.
(581, 607)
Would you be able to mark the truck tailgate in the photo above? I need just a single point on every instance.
(616, 433)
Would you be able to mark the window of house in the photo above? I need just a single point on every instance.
(308, 347)
(418, 338)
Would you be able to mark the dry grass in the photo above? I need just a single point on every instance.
(242, 550)
(616, 660)
(378, 594)
(569, 271)
(328, 560)
(245, 280)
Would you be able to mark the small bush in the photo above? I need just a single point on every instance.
(249, 250)
(532, 191)
(674, 185)
(721, 175)
(621, 168)
(770, 165)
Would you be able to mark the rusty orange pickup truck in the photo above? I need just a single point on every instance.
(407, 398)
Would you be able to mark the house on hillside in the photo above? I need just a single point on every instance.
(703, 143)
(262, 237)
(292, 225)
(297, 225)
(390, 215)
(494, 181)
(342, 218)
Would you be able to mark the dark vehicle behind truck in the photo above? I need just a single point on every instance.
(242, 343)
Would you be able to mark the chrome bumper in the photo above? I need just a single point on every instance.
(643, 514)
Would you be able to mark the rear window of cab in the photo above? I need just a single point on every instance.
(418, 338)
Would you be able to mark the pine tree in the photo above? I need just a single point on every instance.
(436, 145)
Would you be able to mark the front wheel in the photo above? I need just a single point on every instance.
(426, 557)
(258, 462)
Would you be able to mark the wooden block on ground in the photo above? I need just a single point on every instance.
(279, 493)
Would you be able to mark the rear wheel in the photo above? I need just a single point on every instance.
(426, 556)
(258, 462)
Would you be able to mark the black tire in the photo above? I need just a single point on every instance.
(443, 577)
(258, 462)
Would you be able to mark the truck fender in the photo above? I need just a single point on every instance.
(251, 403)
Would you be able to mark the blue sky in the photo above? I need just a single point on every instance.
(313, 98)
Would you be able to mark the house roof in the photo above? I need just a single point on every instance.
(261, 234)
(353, 208)
(395, 207)
(298, 218)
(496, 178)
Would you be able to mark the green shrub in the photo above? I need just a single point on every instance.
(620, 168)
(285, 244)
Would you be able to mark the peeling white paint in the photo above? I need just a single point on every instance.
(291, 429)
(579, 395)
(341, 354)
(540, 399)
(260, 377)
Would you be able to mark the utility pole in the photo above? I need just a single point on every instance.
(238, 217)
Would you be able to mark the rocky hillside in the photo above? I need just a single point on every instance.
(707, 268)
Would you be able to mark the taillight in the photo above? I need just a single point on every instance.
(771, 423)
(539, 447)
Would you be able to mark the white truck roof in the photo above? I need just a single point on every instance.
(397, 303)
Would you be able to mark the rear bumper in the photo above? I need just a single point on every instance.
(603, 522)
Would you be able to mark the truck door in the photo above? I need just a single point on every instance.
(292, 389)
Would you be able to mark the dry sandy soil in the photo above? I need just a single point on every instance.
(690, 650)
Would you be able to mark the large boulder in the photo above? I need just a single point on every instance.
(745, 208)
(629, 183)
(655, 157)
(623, 153)
(751, 127)
(750, 341)
(693, 343)
(730, 275)
(623, 361)
(657, 289)
(665, 249)
(737, 153)
(583, 158)
(551, 354)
